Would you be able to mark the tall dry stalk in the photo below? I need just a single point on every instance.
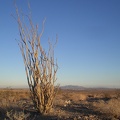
(40, 66)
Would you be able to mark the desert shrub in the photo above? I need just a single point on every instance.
(15, 115)
(78, 97)
(40, 66)
(111, 107)
(75, 96)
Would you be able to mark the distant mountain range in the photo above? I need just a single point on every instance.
(72, 87)
(75, 87)
(66, 87)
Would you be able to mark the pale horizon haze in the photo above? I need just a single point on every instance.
(88, 48)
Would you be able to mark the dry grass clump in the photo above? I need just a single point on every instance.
(111, 106)
(15, 115)
(72, 96)
(107, 94)
(78, 97)
(9, 96)
(11, 104)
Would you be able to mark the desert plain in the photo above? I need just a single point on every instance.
(89, 104)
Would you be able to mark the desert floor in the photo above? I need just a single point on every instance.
(90, 104)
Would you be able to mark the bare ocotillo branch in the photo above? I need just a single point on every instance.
(39, 65)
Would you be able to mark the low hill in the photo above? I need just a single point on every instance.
(73, 87)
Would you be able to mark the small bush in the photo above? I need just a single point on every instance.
(111, 107)
(14, 115)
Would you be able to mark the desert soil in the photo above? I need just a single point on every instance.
(68, 105)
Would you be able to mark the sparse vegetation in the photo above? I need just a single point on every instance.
(15, 115)
(111, 107)
(95, 106)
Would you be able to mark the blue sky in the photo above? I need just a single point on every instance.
(88, 49)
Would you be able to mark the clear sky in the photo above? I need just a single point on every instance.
(88, 49)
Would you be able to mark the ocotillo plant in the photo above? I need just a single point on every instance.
(40, 66)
